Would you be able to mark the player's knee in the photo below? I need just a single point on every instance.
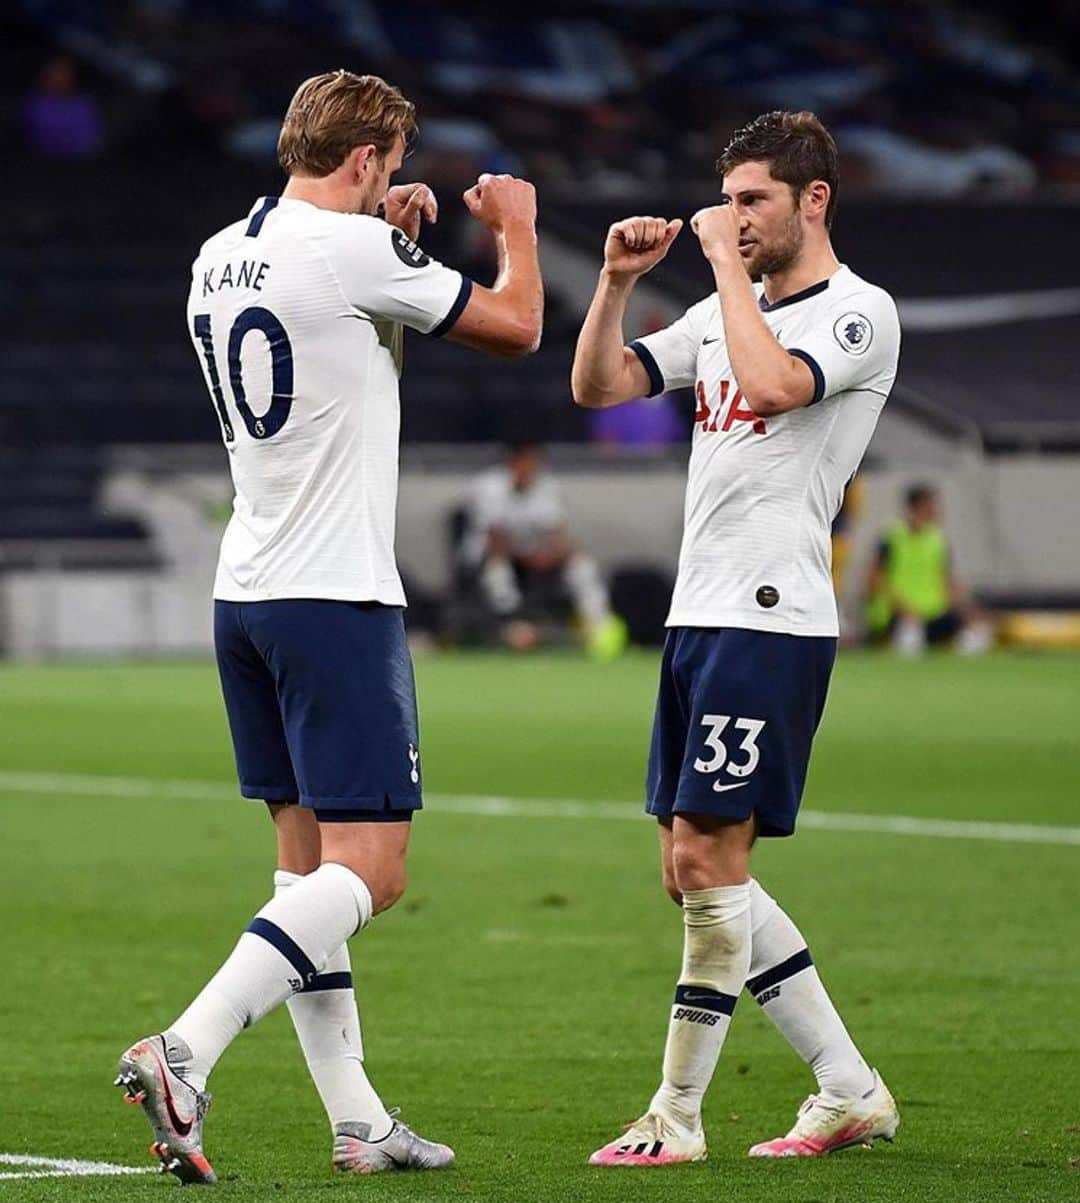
(701, 865)
(691, 869)
(387, 889)
(671, 886)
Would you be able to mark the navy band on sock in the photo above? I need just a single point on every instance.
(780, 973)
(329, 981)
(286, 945)
(704, 999)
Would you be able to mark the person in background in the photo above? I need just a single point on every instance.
(914, 596)
(518, 543)
(59, 120)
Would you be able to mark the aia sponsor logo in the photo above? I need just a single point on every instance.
(728, 407)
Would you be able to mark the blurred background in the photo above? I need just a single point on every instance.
(135, 129)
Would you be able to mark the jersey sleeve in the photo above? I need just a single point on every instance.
(670, 355)
(856, 344)
(386, 275)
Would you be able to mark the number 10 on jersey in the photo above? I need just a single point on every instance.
(276, 411)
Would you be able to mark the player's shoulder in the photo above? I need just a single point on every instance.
(863, 318)
(223, 240)
(702, 312)
(847, 286)
(353, 229)
(698, 316)
(363, 241)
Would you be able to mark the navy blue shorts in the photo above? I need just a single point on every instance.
(322, 705)
(735, 717)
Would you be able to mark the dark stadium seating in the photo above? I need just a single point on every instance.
(592, 100)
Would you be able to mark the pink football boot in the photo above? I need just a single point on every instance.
(652, 1140)
(824, 1124)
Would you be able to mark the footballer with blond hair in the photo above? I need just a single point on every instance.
(296, 314)
(790, 375)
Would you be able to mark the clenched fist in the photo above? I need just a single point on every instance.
(637, 244)
(717, 228)
(499, 201)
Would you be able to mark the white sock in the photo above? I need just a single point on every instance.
(500, 585)
(786, 984)
(283, 949)
(327, 1025)
(716, 956)
(587, 588)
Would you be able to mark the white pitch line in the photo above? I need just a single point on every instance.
(81, 785)
(66, 1167)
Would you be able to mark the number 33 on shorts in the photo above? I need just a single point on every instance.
(750, 729)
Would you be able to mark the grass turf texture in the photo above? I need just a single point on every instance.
(515, 1003)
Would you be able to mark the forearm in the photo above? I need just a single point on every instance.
(771, 380)
(599, 360)
(519, 281)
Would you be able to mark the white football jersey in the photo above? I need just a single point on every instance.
(762, 492)
(526, 518)
(296, 315)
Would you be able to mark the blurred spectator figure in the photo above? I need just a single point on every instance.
(915, 599)
(59, 120)
(518, 545)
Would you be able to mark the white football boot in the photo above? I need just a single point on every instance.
(652, 1140)
(825, 1124)
(399, 1149)
(148, 1075)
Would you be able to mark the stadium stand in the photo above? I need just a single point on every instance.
(141, 126)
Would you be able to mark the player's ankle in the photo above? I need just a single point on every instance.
(681, 1112)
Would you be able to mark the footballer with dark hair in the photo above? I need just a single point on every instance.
(792, 356)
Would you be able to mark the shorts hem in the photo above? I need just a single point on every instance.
(365, 815)
(374, 802)
(767, 828)
(270, 793)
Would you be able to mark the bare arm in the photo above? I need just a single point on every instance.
(771, 380)
(606, 372)
(506, 319)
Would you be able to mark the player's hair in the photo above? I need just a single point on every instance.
(797, 147)
(330, 114)
(917, 494)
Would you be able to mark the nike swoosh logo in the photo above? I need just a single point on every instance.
(705, 341)
(719, 789)
(690, 998)
(183, 1128)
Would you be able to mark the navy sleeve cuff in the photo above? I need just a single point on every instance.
(656, 377)
(816, 372)
(456, 310)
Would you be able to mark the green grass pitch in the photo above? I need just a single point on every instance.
(515, 1002)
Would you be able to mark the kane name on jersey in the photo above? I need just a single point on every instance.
(295, 314)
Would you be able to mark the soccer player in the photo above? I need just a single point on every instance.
(296, 314)
(790, 376)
